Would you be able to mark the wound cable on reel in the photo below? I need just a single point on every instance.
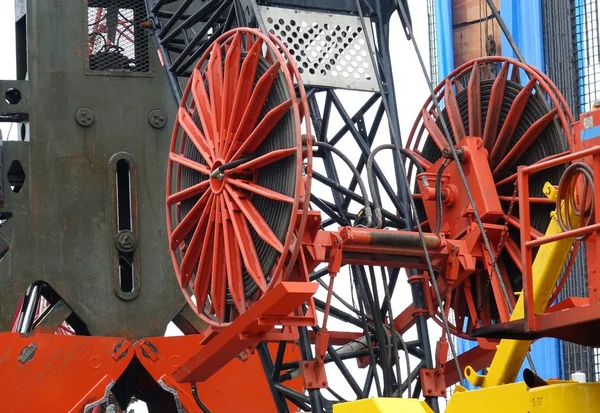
(463, 178)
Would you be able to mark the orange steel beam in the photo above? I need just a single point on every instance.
(65, 372)
(161, 356)
(245, 331)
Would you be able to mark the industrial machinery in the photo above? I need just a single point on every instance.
(289, 275)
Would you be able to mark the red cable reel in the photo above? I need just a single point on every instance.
(236, 177)
(486, 99)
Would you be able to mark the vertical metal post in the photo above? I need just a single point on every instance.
(523, 182)
(267, 363)
(306, 352)
(403, 192)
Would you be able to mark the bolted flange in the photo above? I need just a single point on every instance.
(84, 117)
(125, 241)
(157, 119)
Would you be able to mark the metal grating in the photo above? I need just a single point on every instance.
(117, 40)
(577, 358)
(559, 47)
(571, 45)
(330, 49)
(587, 50)
(433, 57)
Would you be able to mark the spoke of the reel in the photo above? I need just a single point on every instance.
(261, 190)
(514, 221)
(203, 104)
(474, 96)
(187, 193)
(233, 259)
(458, 129)
(256, 104)
(189, 163)
(214, 75)
(515, 75)
(508, 180)
(218, 283)
(194, 134)
(494, 109)
(189, 221)
(525, 142)
(192, 254)
(251, 40)
(231, 76)
(514, 252)
(262, 130)
(261, 227)
(246, 244)
(204, 268)
(264, 160)
(244, 89)
(487, 72)
(510, 124)
(434, 132)
(422, 161)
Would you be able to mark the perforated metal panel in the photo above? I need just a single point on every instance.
(330, 49)
(117, 41)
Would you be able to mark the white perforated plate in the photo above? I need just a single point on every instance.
(330, 49)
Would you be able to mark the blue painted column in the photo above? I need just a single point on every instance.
(443, 35)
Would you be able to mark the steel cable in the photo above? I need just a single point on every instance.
(463, 178)
(374, 188)
(405, 178)
(366, 204)
(567, 196)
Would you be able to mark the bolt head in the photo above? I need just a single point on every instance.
(84, 117)
(125, 241)
(157, 119)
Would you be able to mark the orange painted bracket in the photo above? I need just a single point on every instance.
(245, 331)
(69, 373)
(161, 356)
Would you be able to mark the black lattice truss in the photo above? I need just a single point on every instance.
(183, 31)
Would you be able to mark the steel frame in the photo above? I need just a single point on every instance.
(337, 212)
(172, 363)
(179, 52)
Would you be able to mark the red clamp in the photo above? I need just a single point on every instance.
(313, 372)
(433, 380)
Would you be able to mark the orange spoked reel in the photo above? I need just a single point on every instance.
(235, 174)
(521, 118)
